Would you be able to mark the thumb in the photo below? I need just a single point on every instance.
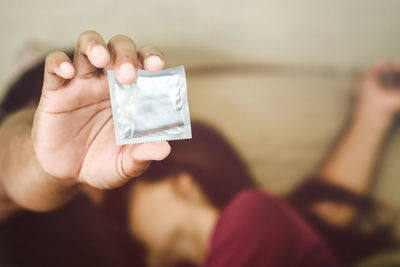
(137, 158)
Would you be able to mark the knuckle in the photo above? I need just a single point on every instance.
(152, 50)
(145, 48)
(91, 43)
(88, 37)
(52, 57)
(87, 33)
(161, 54)
(122, 38)
(149, 49)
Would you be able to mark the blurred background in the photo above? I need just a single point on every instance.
(275, 76)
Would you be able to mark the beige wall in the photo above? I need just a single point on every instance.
(333, 33)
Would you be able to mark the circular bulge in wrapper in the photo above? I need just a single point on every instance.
(128, 131)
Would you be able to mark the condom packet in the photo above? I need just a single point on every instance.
(154, 108)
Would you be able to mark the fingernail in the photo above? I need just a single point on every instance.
(66, 67)
(127, 71)
(153, 62)
(99, 53)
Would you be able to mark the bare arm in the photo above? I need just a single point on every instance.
(353, 161)
(22, 179)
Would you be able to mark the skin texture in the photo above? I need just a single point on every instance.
(62, 139)
(354, 159)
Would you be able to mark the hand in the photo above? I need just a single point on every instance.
(73, 131)
(374, 99)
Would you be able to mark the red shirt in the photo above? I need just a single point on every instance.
(258, 229)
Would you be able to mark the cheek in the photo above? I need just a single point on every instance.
(169, 255)
(154, 219)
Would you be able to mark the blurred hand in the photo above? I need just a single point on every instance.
(73, 131)
(376, 100)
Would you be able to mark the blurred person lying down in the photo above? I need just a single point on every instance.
(67, 197)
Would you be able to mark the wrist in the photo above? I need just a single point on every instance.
(372, 119)
(23, 178)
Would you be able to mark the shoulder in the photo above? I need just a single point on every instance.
(250, 227)
(255, 212)
(260, 228)
(253, 200)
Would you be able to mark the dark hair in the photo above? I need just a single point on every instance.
(213, 163)
(24, 91)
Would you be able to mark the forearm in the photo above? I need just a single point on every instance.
(22, 179)
(354, 159)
